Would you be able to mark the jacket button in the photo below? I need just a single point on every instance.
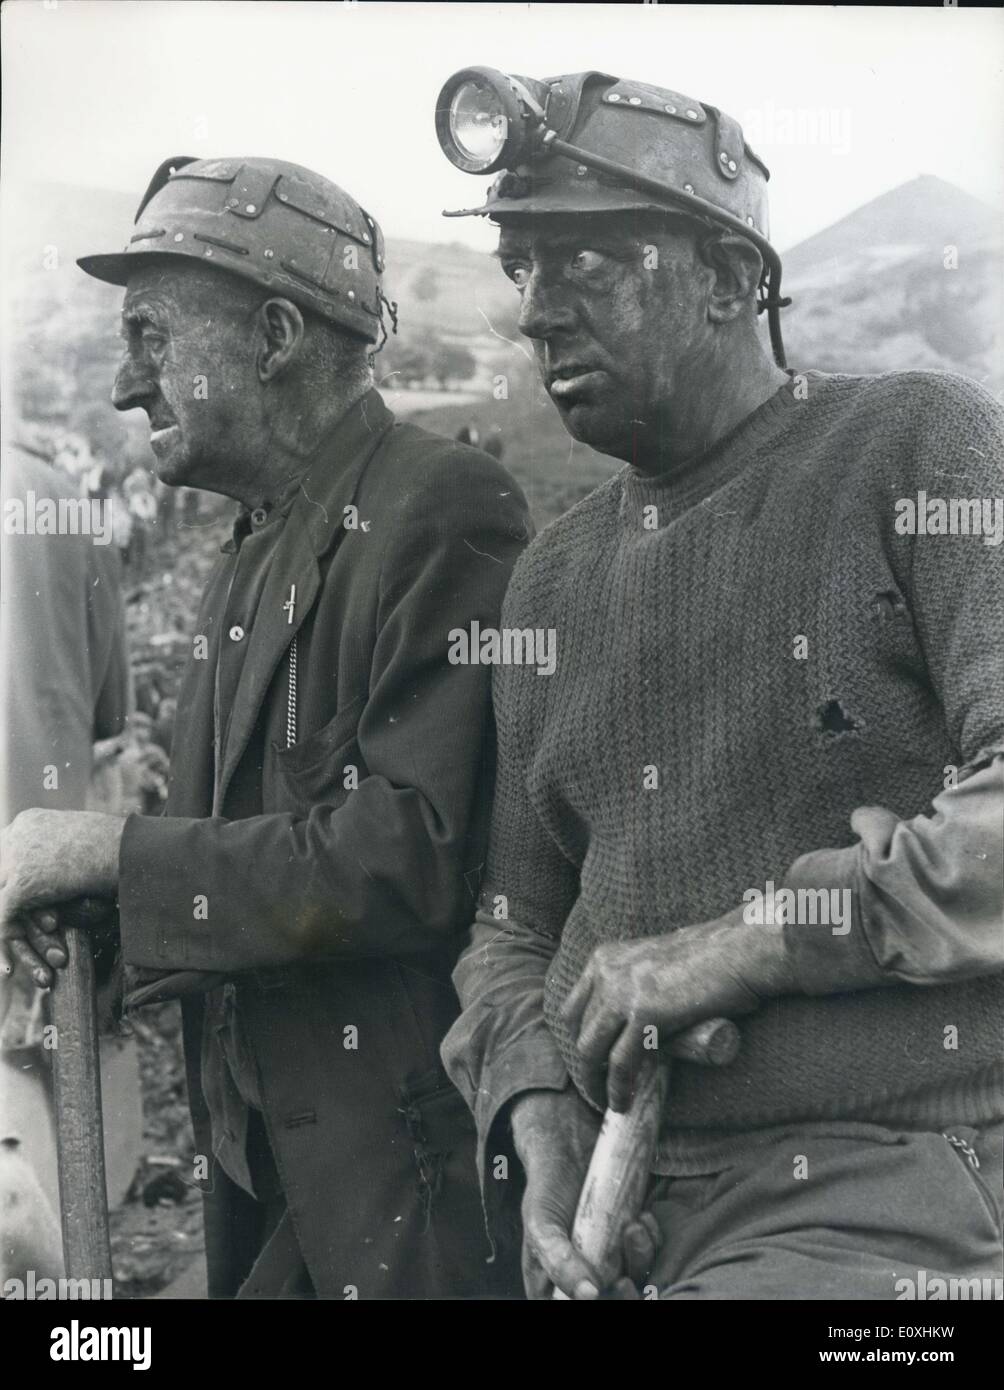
(259, 516)
(236, 633)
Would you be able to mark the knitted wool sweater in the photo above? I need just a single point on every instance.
(677, 603)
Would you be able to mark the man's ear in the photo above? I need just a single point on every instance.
(282, 329)
(738, 268)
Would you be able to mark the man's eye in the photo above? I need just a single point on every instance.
(519, 275)
(141, 333)
(587, 260)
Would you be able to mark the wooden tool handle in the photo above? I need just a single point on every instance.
(77, 1085)
(614, 1189)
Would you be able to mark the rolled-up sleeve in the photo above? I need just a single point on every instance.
(927, 894)
(501, 1046)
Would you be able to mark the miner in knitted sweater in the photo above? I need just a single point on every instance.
(764, 779)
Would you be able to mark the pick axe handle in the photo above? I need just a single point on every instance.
(614, 1189)
(79, 1133)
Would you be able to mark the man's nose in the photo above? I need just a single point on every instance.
(544, 307)
(132, 385)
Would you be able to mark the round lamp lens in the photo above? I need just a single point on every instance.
(478, 123)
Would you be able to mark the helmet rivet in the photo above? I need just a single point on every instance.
(232, 202)
(688, 188)
(283, 197)
(366, 238)
(269, 255)
(692, 114)
(208, 251)
(724, 157)
(179, 236)
(634, 101)
(614, 96)
(581, 169)
(733, 166)
(250, 207)
(352, 294)
(671, 110)
(749, 222)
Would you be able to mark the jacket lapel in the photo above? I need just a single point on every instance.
(313, 528)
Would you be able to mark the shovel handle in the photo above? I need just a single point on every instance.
(76, 1069)
(614, 1189)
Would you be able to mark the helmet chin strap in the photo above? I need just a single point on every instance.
(391, 306)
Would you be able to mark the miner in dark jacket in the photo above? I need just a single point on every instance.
(307, 891)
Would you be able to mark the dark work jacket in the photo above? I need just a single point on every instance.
(340, 910)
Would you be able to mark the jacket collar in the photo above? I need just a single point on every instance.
(329, 482)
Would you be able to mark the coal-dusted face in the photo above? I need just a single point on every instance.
(615, 304)
(190, 362)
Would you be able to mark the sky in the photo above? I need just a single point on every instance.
(842, 103)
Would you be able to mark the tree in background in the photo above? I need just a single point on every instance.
(403, 363)
(452, 363)
(425, 285)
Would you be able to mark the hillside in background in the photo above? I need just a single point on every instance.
(912, 279)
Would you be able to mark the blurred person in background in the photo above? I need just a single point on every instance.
(65, 685)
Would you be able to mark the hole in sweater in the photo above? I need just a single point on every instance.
(888, 604)
(832, 718)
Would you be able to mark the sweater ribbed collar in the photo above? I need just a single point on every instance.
(685, 485)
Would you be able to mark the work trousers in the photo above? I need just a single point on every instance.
(838, 1211)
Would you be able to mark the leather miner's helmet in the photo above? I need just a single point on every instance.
(283, 227)
(590, 142)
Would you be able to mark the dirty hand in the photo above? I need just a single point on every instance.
(724, 967)
(555, 1133)
(48, 858)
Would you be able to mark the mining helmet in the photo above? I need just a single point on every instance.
(281, 226)
(591, 142)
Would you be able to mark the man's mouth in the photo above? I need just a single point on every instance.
(571, 379)
(162, 437)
